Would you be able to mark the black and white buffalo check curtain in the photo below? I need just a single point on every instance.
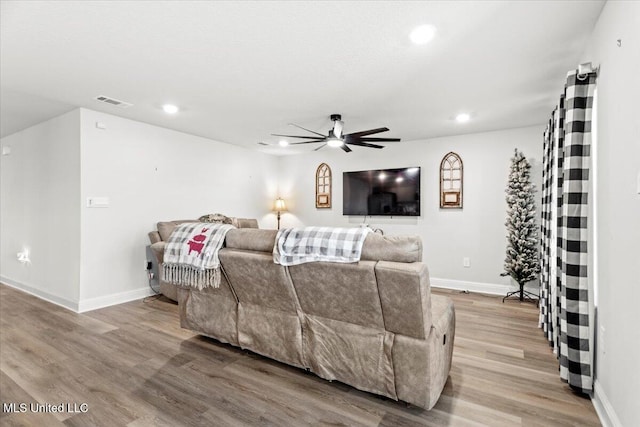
(564, 298)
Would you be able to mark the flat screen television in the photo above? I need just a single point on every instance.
(390, 192)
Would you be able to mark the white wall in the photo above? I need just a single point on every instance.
(477, 231)
(152, 174)
(617, 388)
(40, 193)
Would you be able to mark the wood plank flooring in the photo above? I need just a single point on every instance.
(134, 366)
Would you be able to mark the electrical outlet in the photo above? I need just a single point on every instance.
(466, 262)
(23, 256)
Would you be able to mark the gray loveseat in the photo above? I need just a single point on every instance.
(372, 324)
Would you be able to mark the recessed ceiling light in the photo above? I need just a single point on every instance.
(283, 143)
(170, 109)
(463, 118)
(422, 34)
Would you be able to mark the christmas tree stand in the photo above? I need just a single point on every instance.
(523, 295)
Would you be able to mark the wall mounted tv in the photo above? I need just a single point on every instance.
(390, 192)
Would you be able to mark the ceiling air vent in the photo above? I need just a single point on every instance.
(113, 101)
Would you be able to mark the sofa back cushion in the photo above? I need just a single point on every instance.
(392, 248)
(257, 280)
(251, 239)
(375, 247)
(344, 292)
(244, 222)
(165, 228)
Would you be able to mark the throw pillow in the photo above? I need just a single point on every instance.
(215, 218)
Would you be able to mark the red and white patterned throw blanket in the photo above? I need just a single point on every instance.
(191, 255)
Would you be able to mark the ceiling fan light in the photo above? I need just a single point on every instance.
(283, 142)
(334, 142)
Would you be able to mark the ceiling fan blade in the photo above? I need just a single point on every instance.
(307, 142)
(308, 130)
(345, 148)
(296, 136)
(367, 132)
(379, 139)
(363, 144)
(323, 145)
(337, 128)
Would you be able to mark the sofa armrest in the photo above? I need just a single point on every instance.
(405, 296)
(158, 250)
(154, 237)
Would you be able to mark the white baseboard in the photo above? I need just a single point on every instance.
(84, 305)
(605, 411)
(480, 287)
(63, 302)
(113, 299)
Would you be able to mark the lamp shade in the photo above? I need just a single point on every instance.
(279, 205)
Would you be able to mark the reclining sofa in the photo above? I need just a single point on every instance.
(159, 237)
(373, 324)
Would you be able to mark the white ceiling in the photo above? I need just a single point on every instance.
(243, 70)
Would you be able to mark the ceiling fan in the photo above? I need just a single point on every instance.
(336, 138)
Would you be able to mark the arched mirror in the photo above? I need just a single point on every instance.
(451, 175)
(323, 186)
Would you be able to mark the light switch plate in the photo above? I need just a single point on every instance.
(6, 150)
(97, 202)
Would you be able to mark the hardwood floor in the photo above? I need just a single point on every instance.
(134, 366)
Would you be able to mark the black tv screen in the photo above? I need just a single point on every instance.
(391, 192)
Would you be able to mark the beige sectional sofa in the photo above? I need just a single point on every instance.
(161, 235)
(372, 324)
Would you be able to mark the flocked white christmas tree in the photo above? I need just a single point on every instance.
(521, 262)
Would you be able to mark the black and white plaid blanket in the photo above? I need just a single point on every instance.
(295, 246)
(191, 255)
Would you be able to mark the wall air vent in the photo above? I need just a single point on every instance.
(113, 101)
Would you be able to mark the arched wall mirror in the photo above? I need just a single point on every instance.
(323, 186)
(451, 180)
